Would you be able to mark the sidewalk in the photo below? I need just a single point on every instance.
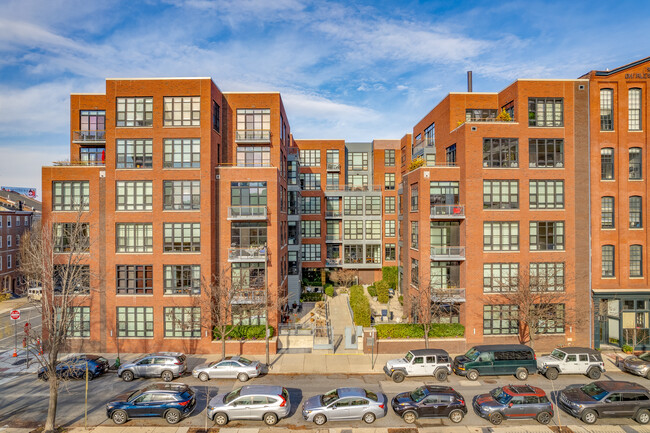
(13, 304)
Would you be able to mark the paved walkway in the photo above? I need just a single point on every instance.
(340, 318)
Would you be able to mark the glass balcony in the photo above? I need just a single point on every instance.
(247, 212)
(447, 211)
(250, 254)
(447, 253)
(448, 296)
(89, 137)
(253, 136)
(334, 214)
(421, 144)
(334, 167)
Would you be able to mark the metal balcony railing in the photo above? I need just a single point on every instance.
(89, 136)
(333, 262)
(447, 295)
(333, 214)
(251, 254)
(333, 166)
(253, 136)
(246, 212)
(354, 188)
(421, 144)
(447, 211)
(79, 163)
(447, 253)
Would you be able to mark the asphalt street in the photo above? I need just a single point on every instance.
(30, 314)
(23, 400)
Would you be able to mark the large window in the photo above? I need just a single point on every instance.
(253, 156)
(134, 238)
(79, 322)
(443, 193)
(500, 319)
(500, 194)
(182, 153)
(500, 152)
(310, 157)
(181, 111)
(134, 112)
(182, 279)
(292, 172)
(636, 212)
(134, 153)
(182, 322)
(181, 195)
(310, 181)
(373, 254)
(480, 114)
(414, 234)
(607, 261)
(353, 230)
(415, 272)
(182, 237)
(389, 228)
(546, 194)
(310, 229)
(68, 237)
(634, 109)
(216, 116)
(636, 163)
(389, 250)
(353, 205)
(636, 261)
(389, 205)
(547, 112)
(389, 181)
(358, 161)
(71, 279)
(248, 193)
(553, 324)
(607, 220)
(135, 322)
(414, 197)
(311, 205)
(546, 235)
(135, 195)
(253, 123)
(310, 252)
(373, 205)
(607, 163)
(357, 182)
(606, 109)
(332, 181)
(450, 155)
(546, 277)
(333, 158)
(92, 155)
(134, 279)
(389, 157)
(546, 152)
(373, 230)
(501, 236)
(248, 275)
(500, 277)
(70, 196)
(93, 120)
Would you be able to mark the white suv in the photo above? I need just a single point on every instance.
(571, 360)
(421, 362)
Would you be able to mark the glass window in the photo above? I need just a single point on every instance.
(373, 205)
(352, 230)
(358, 161)
(500, 236)
(332, 181)
(181, 153)
(547, 276)
(430, 159)
(134, 112)
(134, 153)
(500, 194)
(414, 234)
(636, 214)
(248, 275)
(253, 156)
(181, 195)
(636, 163)
(500, 152)
(68, 237)
(500, 319)
(79, 322)
(310, 229)
(357, 182)
(546, 235)
(389, 205)
(311, 205)
(253, 123)
(353, 205)
(311, 252)
(134, 279)
(389, 252)
(92, 155)
(248, 194)
(389, 181)
(216, 116)
(182, 322)
(92, 120)
(332, 158)
(373, 230)
(134, 238)
(607, 163)
(634, 109)
(546, 194)
(414, 197)
(310, 157)
(636, 261)
(450, 155)
(182, 279)
(293, 172)
(607, 265)
(69, 196)
(136, 195)
(606, 109)
(389, 157)
(480, 114)
(500, 277)
(607, 213)
(546, 152)
(415, 272)
(553, 324)
(389, 228)
(182, 111)
(182, 237)
(310, 181)
(546, 112)
(135, 322)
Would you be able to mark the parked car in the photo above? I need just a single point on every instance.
(345, 404)
(34, 294)
(422, 362)
(253, 402)
(607, 399)
(496, 359)
(571, 360)
(639, 365)
(172, 401)
(516, 402)
(230, 367)
(430, 402)
(166, 365)
(74, 367)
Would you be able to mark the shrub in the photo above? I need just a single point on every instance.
(5, 297)
(311, 297)
(244, 332)
(401, 300)
(408, 330)
(389, 274)
(382, 292)
(627, 349)
(360, 306)
(504, 116)
(372, 291)
(329, 291)
(416, 163)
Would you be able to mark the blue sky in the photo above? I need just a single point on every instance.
(354, 70)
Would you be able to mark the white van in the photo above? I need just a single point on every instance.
(35, 294)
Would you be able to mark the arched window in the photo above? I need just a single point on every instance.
(607, 163)
(636, 163)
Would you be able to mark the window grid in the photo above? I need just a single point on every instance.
(134, 153)
(134, 279)
(389, 252)
(547, 276)
(634, 109)
(500, 277)
(607, 163)
(311, 205)
(181, 153)
(64, 234)
(310, 157)
(415, 272)
(414, 197)
(546, 235)
(353, 230)
(182, 111)
(636, 212)
(133, 195)
(134, 112)
(389, 157)
(636, 163)
(358, 161)
(500, 236)
(500, 152)
(546, 194)
(182, 195)
(389, 205)
(414, 234)
(182, 237)
(182, 322)
(500, 194)
(606, 109)
(555, 325)
(373, 205)
(69, 196)
(500, 319)
(373, 230)
(389, 228)
(135, 322)
(134, 238)
(182, 279)
(546, 112)
(353, 205)
(607, 213)
(546, 152)
(253, 156)
(607, 261)
(79, 326)
(389, 181)
(310, 181)
(310, 252)
(636, 261)
(310, 229)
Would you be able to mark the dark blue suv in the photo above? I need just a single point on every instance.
(74, 367)
(172, 401)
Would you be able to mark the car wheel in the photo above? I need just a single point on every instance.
(441, 375)
(552, 373)
(369, 418)
(589, 417)
(44, 377)
(472, 375)
(544, 418)
(456, 416)
(243, 377)
(270, 418)
(203, 377)
(521, 374)
(119, 417)
(167, 376)
(320, 419)
(173, 416)
(409, 417)
(221, 418)
(127, 376)
(594, 373)
(398, 377)
(495, 418)
(643, 416)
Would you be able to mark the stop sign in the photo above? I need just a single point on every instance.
(15, 314)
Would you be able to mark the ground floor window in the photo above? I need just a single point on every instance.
(182, 322)
(553, 325)
(135, 322)
(252, 316)
(79, 322)
(500, 319)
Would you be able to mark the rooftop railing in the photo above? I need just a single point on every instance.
(353, 188)
(79, 163)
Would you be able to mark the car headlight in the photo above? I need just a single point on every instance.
(307, 411)
(461, 368)
(210, 408)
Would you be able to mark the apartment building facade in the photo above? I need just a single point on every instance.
(13, 224)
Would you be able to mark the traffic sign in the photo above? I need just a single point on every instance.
(15, 314)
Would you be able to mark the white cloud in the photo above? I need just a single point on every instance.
(25, 163)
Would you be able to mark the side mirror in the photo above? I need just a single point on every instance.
(607, 400)
(511, 404)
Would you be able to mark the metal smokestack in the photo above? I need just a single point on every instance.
(469, 81)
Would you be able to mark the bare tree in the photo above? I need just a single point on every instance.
(56, 259)
(343, 277)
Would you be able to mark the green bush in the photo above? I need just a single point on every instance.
(311, 297)
(382, 292)
(360, 306)
(372, 291)
(627, 348)
(408, 330)
(329, 291)
(389, 274)
(244, 332)
(400, 298)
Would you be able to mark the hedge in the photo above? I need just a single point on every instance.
(329, 291)
(389, 274)
(408, 330)
(382, 292)
(372, 291)
(360, 306)
(244, 332)
(311, 297)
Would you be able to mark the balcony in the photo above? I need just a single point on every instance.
(247, 212)
(333, 238)
(447, 295)
(447, 211)
(251, 254)
(334, 214)
(353, 188)
(253, 136)
(88, 137)
(334, 167)
(79, 163)
(447, 253)
(249, 296)
(421, 144)
(333, 262)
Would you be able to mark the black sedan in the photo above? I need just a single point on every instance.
(74, 367)
(430, 402)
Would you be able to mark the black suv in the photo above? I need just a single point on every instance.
(607, 399)
(430, 402)
(516, 402)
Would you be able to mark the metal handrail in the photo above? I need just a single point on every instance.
(247, 212)
(354, 188)
(448, 294)
(333, 262)
(89, 136)
(79, 163)
(253, 135)
(250, 253)
(447, 211)
(444, 251)
(333, 166)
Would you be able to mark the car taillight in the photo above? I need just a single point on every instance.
(184, 403)
(461, 401)
(178, 363)
(284, 402)
(535, 356)
(381, 406)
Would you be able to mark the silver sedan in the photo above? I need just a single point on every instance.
(639, 365)
(230, 367)
(345, 404)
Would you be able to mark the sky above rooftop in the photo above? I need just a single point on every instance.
(353, 70)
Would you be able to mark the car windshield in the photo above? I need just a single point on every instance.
(472, 354)
(231, 396)
(594, 391)
(329, 397)
(133, 396)
(245, 361)
(408, 357)
(501, 396)
(558, 354)
(645, 356)
(418, 394)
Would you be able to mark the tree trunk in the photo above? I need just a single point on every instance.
(223, 345)
(426, 336)
(51, 408)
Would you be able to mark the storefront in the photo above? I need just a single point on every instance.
(622, 318)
